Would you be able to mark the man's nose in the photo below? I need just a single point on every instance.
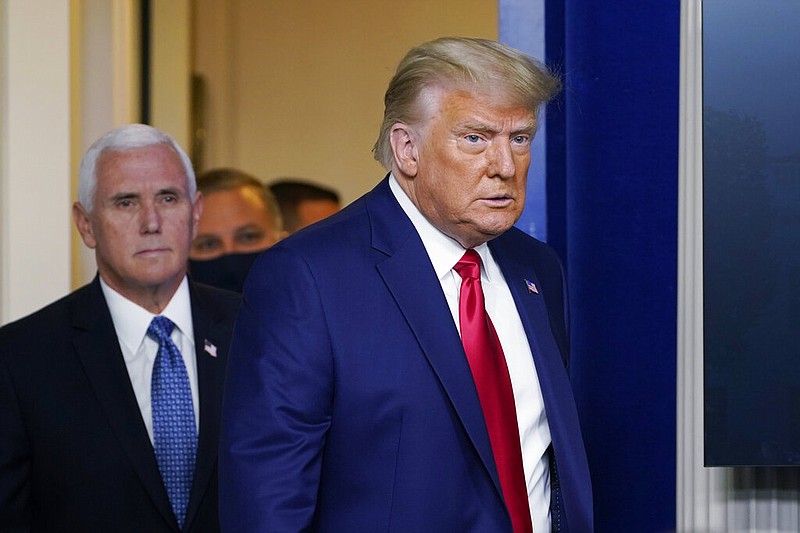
(229, 247)
(151, 218)
(501, 162)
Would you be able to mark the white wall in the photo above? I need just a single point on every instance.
(70, 72)
(107, 65)
(106, 81)
(296, 88)
(171, 71)
(34, 154)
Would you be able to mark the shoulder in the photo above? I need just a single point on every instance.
(59, 312)
(350, 222)
(47, 329)
(207, 292)
(518, 245)
(332, 241)
(214, 299)
(373, 224)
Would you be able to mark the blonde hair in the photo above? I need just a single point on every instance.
(463, 62)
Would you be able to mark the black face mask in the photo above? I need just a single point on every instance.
(226, 271)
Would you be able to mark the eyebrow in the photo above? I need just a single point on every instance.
(528, 127)
(248, 226)
(477, 126)
(124, 196)
(173, 192)
(135, 195)
(207, 237)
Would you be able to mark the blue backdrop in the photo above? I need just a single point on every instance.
(611, 197)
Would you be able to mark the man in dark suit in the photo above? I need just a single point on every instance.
(110, 398)
(367, 388)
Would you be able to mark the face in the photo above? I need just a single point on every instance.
(465, 165)
(310, 211)
(142, 223)
(233, 221)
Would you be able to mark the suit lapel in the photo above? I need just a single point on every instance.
(208, 327)
(424, 307)
(95, 342)
(533, 312)
(530, 304)
(559, 402)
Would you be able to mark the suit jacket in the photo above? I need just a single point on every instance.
(74, 452)
(350, 404)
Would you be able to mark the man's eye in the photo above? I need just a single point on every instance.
(473, 138)
(168, 198)
(124, 203)
(250, 237)
(521, 139)
(205, 245)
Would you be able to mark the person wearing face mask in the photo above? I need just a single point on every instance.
(240, 219)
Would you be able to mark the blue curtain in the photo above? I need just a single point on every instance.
(610, 196)
(612, 213)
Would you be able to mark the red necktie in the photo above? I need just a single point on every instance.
(490, 373)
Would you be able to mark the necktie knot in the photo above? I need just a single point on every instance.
(160, 328)
(469, 266)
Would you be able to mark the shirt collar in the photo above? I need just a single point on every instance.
(443, 251)
(131, 320)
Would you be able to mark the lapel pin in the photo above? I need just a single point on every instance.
(531, 287)
(210, 348)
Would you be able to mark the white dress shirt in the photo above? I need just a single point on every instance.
(139, 351)
(444, 253)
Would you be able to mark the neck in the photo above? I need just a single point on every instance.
(153, 298)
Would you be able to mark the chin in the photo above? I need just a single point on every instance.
(163, 276)
(495, 230)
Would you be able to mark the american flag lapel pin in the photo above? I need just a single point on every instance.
(531, 287)
(210, 348)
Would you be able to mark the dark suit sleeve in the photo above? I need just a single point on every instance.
(277, 404)
(15, 456)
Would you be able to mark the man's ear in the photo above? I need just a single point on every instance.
(84, 224)
(197, 212)
(403, 139)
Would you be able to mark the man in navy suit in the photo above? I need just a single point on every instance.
(353, 400)
(84, 446)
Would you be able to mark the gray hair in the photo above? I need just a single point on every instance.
(122, 139)
(465, 62)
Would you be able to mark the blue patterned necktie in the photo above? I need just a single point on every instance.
(174, 430)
